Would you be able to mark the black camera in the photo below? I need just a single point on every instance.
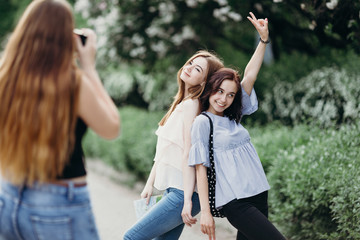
(81, 34)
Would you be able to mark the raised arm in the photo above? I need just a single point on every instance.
(253, 67)
(96, 107)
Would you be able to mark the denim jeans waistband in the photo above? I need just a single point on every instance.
(70, 190)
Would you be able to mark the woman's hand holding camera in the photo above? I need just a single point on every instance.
(87, 51)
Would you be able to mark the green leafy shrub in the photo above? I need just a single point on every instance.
(131, 86)
(159, 87)
(139, 140)
(108, 151)
(119, 83)
(327, 96)
(272, 138)
(134, 149)
(315, 187)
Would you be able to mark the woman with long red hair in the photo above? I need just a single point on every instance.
(46, 104)
(170, 172)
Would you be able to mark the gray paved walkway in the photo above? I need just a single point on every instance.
(114, 211)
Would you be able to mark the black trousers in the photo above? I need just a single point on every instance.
(249, 217)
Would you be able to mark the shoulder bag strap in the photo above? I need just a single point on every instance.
(211, 170)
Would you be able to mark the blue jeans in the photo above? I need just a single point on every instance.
(163, 221)
(46, 212)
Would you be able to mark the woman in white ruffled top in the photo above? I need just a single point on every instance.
(170, 172)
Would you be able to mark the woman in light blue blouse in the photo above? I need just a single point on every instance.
(241, 186)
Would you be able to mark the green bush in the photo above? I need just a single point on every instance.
(134, 149)
(316, 186)
(327, 96)
(272, 138)
(131, 86)
(108, 151)
(291, 67)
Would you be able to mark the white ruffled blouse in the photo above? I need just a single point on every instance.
(171, 145)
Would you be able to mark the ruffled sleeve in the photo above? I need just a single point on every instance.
(249, 103)
(199, 151)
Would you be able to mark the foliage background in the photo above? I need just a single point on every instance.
(306, 130)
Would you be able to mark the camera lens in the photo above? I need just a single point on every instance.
(83, 39)
(81, 34)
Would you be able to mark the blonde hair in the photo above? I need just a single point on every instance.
(39, 88)
(214, 63)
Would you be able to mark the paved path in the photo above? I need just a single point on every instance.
(114, 210)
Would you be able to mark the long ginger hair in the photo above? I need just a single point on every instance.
(214, 63)
(39, 88)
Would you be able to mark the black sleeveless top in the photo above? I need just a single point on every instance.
(76, 165)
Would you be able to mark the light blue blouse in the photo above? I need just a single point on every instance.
(239, 173)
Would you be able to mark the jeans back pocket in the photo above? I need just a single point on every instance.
(55, 228)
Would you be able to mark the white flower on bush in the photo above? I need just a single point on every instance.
(235, 16)
(222, 2)
(159, 47)
(155, 30)
(224, 13)
(186, 33)
(137, 52)
(332, 4)
(82, 7)
(103, 26)
(312, 25)
(193, 3)
(166, 11)
(118, 83)
(137, 39)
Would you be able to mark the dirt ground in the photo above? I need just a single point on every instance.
(114, 210)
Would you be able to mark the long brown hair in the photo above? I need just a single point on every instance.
(214, 63)
(39, 87)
